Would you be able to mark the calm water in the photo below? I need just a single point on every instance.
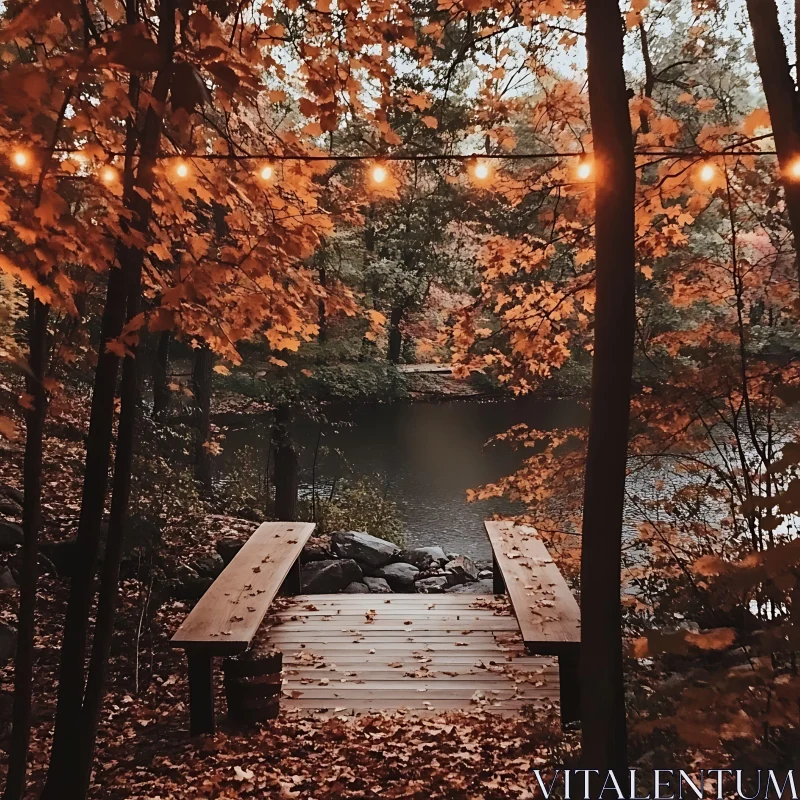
(425, 456)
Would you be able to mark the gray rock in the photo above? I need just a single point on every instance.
(12, 494)
(322, 577)
(184, 573)
(62, 555)
(432, 585)
(485, 573)
(363, 547)
(451, 556)
(356, 588)
(399, 576)
(422, 557)
(9, 508)
(461, 570)
(7, 579)
(479, 587)
(8, 643)
(10, 535)
(229, 547)
(209, 566)
(191, 588)
(315, 552)
(378, 585)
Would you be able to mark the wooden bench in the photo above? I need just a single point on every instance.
(228, 615)
(548, 615)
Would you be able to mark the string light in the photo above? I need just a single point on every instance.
(794, 169)
(182, 170)
(585, 170)
(707, 173)
(20, 158)
(379, 174)
(108, 174)
(266, 172)
(481, 171)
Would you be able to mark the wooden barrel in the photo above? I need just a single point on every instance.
(253, 686)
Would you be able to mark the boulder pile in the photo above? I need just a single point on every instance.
(358, 563)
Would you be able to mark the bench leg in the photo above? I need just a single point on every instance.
(499, 586)
(201, 694)
(291, 583)
(569, 685)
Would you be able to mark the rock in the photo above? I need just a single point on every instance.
(229, 547)
(451, 556)
(399, 576)
(378, 585)
(479, 587)
(7, 579)
(61, 555)
(184, 573)
(485, 573)
(210, 566)
(191, 588)
(363, 547)
(322, 577)
(314, 552)
(461, 570)
(10, 535)
(8, 643)
(9, 508)
(422, 557)
(436, 584)
(12, 494)
(356, 588)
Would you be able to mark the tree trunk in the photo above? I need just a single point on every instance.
(395, 334)
(604, 741)
(201, 388)
(66, 750)
(286, 478)
(160, 373)
(109, 584)
(782, 101)
(31, 525)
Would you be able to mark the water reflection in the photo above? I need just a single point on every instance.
(426, 456)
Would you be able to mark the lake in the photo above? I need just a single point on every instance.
(425, 456)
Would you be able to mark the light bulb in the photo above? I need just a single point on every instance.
(707, 173)
(266, 172)
(481, 171)
(20, 158)
(182, 170)
(108, 174)
(794, 169)
(584, 170)
(379, 174)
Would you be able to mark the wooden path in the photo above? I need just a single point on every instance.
(425, 653)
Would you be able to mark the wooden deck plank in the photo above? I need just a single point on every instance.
(544, 606)
(464, 655)
(227, 616)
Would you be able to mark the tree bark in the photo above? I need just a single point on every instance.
(160, 373)
(109, 584)
(31, 525)
(395, 334)
(286, 477)
(782, 101)
(66, 750)
(604, 735)
(201, 388)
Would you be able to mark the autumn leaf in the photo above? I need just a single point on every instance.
(8, 428)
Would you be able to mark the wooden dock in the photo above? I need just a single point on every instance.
(358, 653)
